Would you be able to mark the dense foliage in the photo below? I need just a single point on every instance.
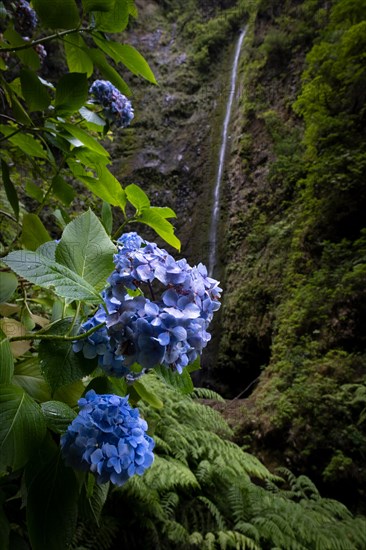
(96, 321)
(298, 242)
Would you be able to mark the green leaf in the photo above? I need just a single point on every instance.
(106, 187)
(58, 415)
(41, 271)
(90, 506)
(62, 190)
(27, 56)
(52, 496)
(27, 375)
(71, 92)
(164, 211)
(181, 382)
(98, 5)
(129, 56)
(70, 394)
(10, 190)
(195, 365)
(92, 118)
(137, 197)
(152, 218)
(59, 364)
(114, 20)
(22, 427)
(146, 395)
(33, 191)
(86, 249)
(85, 139)
(34, 232)
(34, 93)
(6, 360)
(107, 217)
(48, 250)
(78, 60)
(8, 284)
(108, 72)
(61, 14)
(27, 143)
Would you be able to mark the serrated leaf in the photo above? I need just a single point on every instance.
(34, 93)
(6, 360)
(59, 364)
(87, 140)
(181, 382)
(163, 228)
(52, 496)
(114, 20)
(146, 395)
(86, 249)
(137, 197)
(22, 427)
(62, 190)
(58, 415)
(10, 190)
(78, 60)
(8, 284)
(62, 14)
(48, 250)
(109, 72)
(27, 375)
(71, 92)
(34, 232)
(37, 269)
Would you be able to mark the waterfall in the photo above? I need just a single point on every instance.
(220, 168)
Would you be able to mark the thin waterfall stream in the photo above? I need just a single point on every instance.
(220, 168)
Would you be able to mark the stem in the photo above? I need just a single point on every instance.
(60, 337)
(121, 227)
(75, 317)
(45, 39)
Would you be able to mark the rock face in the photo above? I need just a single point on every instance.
(172, 146)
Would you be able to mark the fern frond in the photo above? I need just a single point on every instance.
(205, 393)
(169, 503)
(215, 512)
(167, 473)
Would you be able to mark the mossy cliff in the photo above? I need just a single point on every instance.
(172, 146)
(295, 241)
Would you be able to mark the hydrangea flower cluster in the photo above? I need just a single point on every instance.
(25, 17)
(168, 328)
(116, 107)
(108, 438)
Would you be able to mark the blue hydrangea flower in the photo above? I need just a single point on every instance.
(108, 438)
(116, 107)
(25, 19)
(166, 323)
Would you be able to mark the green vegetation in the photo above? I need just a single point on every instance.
(298, 243)
(203, 491)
